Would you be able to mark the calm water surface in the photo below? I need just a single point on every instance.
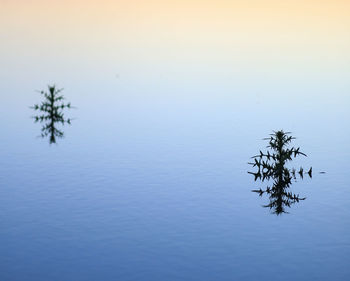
(159, 191)
(150, 181)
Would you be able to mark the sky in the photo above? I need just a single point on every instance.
(238, 48)
(270, 35)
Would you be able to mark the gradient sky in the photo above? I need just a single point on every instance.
(282, 34)
(296, 46)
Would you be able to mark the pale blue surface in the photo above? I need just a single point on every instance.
(151, 183)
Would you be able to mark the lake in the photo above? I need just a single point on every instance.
(169, 103)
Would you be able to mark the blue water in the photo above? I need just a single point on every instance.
(151, 183)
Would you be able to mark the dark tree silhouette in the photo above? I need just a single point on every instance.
(51, 113)
(271, 167)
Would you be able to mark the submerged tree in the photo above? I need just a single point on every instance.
(271, 167)
(51, 113)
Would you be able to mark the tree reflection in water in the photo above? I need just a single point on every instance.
(50, 113)
(271, 167)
